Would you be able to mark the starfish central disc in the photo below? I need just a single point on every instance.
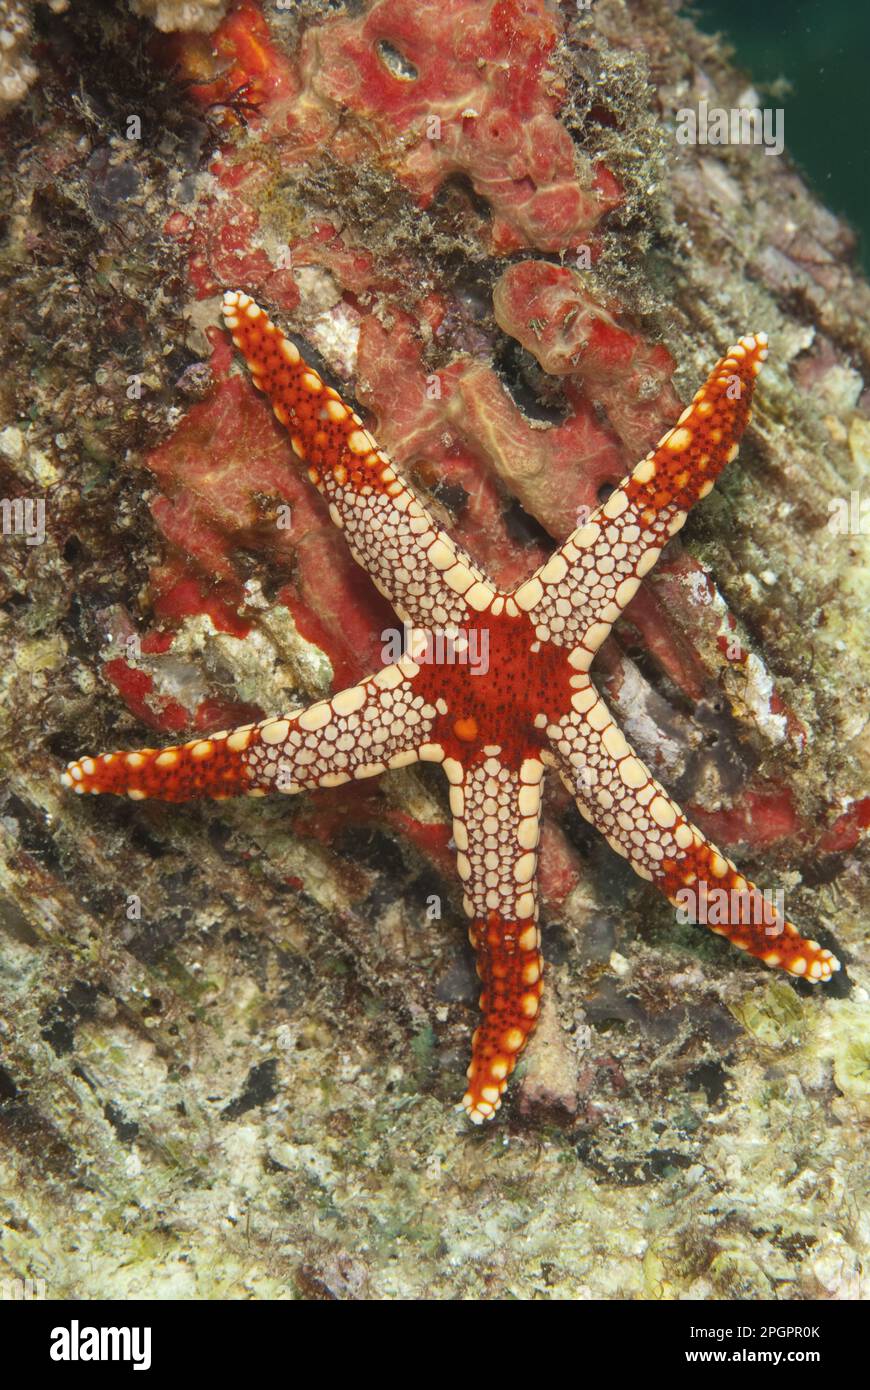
(494, 683)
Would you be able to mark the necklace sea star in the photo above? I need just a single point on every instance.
(494, 724)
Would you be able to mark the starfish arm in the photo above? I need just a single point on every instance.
(415, 564)
(616, 793)
(496, 826)
(575, 598)
(382, 722)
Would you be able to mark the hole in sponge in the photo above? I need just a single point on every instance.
(396, 62)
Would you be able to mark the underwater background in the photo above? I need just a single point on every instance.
(811, 57)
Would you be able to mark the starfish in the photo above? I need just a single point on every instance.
(494, 725)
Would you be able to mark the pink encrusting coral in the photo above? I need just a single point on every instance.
(446, 87)
(572, 334)
(466, 427)
(413, 94)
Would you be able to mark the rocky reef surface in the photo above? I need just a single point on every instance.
(231, 1036)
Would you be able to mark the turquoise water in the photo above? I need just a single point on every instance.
(822, 49)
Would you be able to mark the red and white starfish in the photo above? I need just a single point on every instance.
(513, 697)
